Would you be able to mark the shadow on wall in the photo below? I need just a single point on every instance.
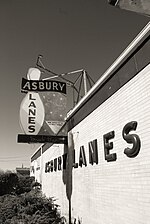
(67, 172)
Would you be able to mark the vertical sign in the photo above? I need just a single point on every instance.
(32, 113)
(43, 109)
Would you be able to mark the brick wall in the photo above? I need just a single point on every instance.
(35, 169)
(54, 183)
(119, 191)
(115, 192)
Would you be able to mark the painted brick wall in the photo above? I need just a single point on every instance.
(54, 183)
(36, 171)
(115, 192)
(119, 191)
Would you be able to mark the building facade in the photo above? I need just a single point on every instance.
(102, 175)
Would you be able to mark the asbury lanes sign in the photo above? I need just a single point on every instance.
(43, 85)
(32, 113)
(43, 108)
(61, 162)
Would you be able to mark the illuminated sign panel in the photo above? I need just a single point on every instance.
(55, 111)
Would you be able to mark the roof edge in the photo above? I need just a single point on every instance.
(139, 39)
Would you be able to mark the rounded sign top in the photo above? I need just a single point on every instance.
(33, 74)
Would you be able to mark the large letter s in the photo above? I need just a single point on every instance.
(131, 138)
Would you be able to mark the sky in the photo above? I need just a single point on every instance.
(71, 35)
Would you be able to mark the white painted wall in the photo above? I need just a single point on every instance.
(53, 183)
(115, 192)
(36, 172)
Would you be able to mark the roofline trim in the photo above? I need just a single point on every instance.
(117, 63)
(36, 151)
